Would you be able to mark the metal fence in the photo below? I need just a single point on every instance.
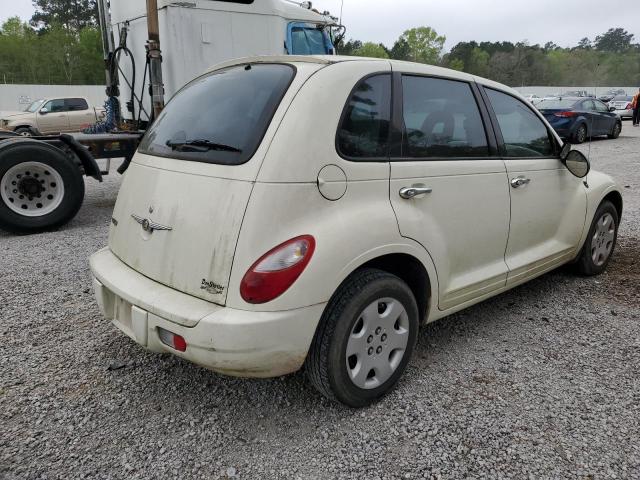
(552, 90)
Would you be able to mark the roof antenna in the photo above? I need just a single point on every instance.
(591, 130)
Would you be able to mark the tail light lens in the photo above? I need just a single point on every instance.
(277, 270)
(565, 114)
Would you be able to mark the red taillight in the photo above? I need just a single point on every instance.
(276, 270)
(172, 339)
(565, 114)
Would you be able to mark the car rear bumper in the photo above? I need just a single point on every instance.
(624, 113)
(230, 341)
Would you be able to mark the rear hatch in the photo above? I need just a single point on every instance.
(551, 106)
(550, 114)
(180, 208)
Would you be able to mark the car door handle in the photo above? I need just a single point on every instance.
(519, 182)
(413, 191)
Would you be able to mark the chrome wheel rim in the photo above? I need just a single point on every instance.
(602, 240)
(25, 133)
(32, 189)
(377, 343)
(582, 134)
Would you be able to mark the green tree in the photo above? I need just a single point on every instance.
(456, 64)
(370, 49)
(401, 50)
(425, 45)
(70, 14)
(478, 62)
(614, 40)
(584, 43)
(348, 48)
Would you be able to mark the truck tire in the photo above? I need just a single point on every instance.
(24, 131)
(41, 188)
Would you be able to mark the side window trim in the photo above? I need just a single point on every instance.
(498, 132)
(398, 128)
(345, 109)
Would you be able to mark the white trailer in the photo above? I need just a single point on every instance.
(197, 34)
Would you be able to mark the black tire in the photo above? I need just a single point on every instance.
(615, 133)
(24, 131)
(326, 364)
(20, 150)
(581, 134)
(585, 263)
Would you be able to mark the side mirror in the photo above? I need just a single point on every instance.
(577, 163)
(612, 109)
(566, 148)
(43, 111)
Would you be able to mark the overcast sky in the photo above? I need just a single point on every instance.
(564, 22)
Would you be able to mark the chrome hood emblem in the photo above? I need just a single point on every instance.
(148, 225)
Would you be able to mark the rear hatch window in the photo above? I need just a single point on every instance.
(220, 117)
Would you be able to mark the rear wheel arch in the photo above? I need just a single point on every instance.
(411, 271)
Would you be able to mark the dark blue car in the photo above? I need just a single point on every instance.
(578, 118)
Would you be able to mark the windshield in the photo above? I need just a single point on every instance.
(220, 117)
(308, 39)
(34, 106)
(556, 103)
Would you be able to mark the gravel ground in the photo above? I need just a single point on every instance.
(541, 382)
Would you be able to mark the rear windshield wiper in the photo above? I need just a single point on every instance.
(201, 144)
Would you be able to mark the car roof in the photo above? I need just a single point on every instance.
(326, 60)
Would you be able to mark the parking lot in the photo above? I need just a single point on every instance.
(541, 382)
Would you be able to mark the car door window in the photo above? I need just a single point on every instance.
(441, 119)
(524, 133)
(55, 106)
(76, 104)
(588, 105)
(364, 129)
(600, 107)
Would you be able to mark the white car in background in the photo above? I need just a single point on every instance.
(289, 211)
(533, 99)
(622, 105)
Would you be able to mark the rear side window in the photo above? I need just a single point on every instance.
(441, 119)
(76, 104)
(220, 117)
(364, 128)
(524, 134)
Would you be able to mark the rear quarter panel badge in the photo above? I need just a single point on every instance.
(211, 287)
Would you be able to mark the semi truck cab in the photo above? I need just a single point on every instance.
(200, 33)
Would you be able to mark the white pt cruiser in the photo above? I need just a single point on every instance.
(290, 211)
